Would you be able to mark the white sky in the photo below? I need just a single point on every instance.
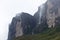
(9, 8)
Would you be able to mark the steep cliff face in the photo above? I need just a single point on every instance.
(12, 29)
(22, 24)
(49, 12)
(28, 23)
(48, 15)
(52, 12)
(40, 16)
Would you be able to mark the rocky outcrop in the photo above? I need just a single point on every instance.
(48, 15)
(22, 24)
(49, 11)
(40, 16)
(12, 29)
(28, 23)
(52, 12)
(37, 16)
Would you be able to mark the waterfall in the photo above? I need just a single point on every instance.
(41, 12)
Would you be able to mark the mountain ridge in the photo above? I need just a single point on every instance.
(44, 25)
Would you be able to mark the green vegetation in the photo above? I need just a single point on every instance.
(50, 34)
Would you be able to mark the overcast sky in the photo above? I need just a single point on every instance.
(9, 8)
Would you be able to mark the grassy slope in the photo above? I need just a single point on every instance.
(51, 34)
